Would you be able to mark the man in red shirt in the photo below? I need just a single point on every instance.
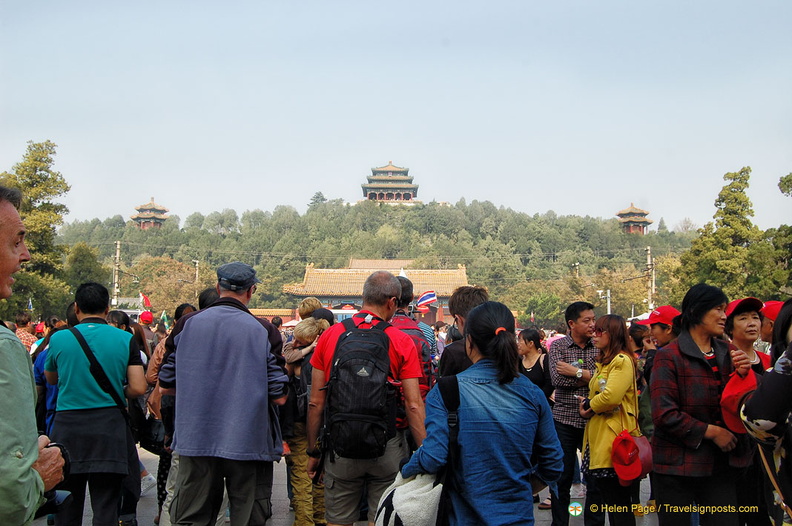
(345, 478)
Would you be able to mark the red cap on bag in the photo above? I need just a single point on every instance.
(630, 461)
(732, 398)
(624, 455)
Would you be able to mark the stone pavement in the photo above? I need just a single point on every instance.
(147, 507)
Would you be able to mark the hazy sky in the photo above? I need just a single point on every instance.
(580, 107)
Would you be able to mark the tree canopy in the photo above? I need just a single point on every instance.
(40, 283)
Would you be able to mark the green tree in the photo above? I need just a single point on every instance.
(82, 265)
(546, 308)
(40, 282)
(720, 255)
(785, 185)
(40, 185)
(317, 199)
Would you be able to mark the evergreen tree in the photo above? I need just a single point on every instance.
(40, 185)
(785, 185)
(39, 283)
(720, 255)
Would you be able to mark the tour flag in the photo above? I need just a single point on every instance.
(145, 300)
(426, 298)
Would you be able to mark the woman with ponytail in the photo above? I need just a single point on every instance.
(503, 418)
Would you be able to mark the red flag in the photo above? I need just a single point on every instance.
(145, 300)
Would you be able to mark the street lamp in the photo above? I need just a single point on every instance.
(607, 296)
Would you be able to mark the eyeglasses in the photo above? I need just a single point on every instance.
(599, 332)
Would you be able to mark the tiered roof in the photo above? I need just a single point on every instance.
(390, 179)
(349, 281)
(150, 211)
(633, 214)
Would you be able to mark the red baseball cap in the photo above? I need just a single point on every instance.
(663, 314)
(771, 309)
(731, 400)
(40, 326)
(627, 461)
(752, 304)
(146, 317)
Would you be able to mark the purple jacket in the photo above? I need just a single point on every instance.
(226, 377)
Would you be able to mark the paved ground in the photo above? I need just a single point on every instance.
(147, 507)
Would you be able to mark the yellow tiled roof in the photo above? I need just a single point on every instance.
(632, 210)
(635, 219)
(151, 205)
(273, 312)
(147, 215)
(349, 281)
(390, 168)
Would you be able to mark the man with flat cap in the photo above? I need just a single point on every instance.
(227, 381)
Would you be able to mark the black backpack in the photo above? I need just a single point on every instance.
(360, 411)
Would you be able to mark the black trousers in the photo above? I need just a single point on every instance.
(105, 494)
(718, 491)
(619, 499)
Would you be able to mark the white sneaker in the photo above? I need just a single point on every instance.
(578, 491)
(146, 483)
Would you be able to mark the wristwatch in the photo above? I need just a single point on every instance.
(315, 453)
(579, 374)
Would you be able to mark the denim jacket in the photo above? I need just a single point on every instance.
(500, 426)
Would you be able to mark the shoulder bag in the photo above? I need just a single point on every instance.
(631, 455)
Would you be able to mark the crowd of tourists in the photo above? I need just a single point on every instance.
(360, 407)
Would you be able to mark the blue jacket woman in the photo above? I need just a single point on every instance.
(503, 418)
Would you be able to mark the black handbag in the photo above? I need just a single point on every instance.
(152, 436)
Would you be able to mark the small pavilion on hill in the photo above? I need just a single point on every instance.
(342, 288)
(390, 184)
(150, 215)
(634, 220)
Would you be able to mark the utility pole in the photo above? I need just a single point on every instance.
(607, 295)
(650, 270)
(116, 275)
(195, 287)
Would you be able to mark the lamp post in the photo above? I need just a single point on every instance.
(607, 296)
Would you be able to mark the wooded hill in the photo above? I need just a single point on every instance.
(512, 253)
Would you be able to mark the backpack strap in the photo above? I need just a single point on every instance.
(99, 374)
(449, 390)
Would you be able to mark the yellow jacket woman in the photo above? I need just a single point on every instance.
(615, 408)
(611, 407)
